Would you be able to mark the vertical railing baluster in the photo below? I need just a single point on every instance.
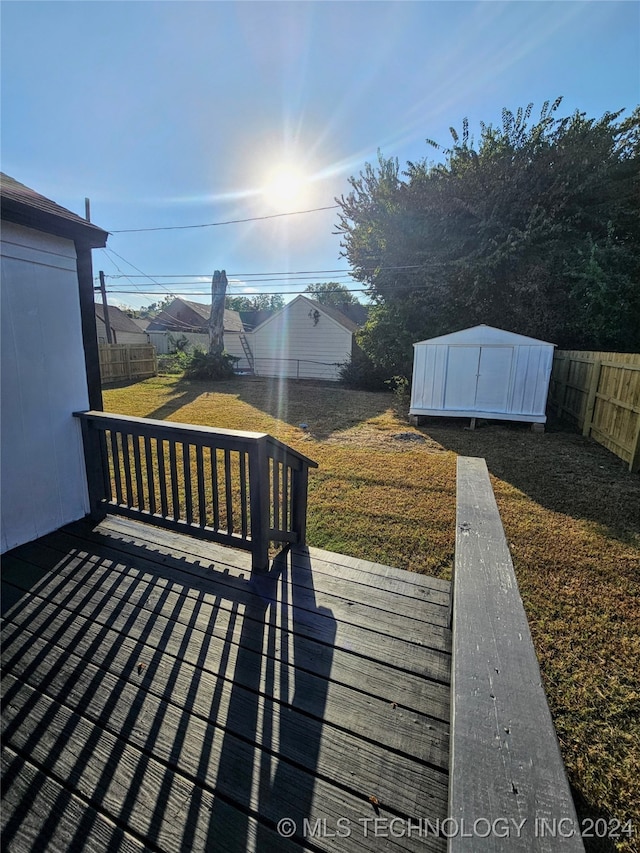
(228, 490)
(285, 496)
(138, 470)
(162, 478)
(115, 455)
(127, 467)
(213, 455)
(173, 466)
(243, 494)
(186, 468)
(150, 479)
(202, 504)
(275, 472)
(104, 455)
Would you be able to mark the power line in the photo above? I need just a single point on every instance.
(226, 222)
(247, 275)
(249, 295)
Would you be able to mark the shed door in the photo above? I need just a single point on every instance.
(462, 378)
(494, 374)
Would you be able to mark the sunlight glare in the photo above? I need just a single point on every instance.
(285, 186)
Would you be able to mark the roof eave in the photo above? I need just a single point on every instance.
(89, 235)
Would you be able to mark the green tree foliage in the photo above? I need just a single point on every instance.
(260, 302)
(535, 229)
(331, 293)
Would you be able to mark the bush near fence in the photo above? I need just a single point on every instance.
(120, 362)
(599, 393)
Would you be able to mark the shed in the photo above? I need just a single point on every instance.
(482, 372)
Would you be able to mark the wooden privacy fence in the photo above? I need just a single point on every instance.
(599, 392)
(243, 489)
(127, 361)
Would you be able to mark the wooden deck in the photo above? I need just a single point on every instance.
(158, 697)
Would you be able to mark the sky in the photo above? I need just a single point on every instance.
(172, 114)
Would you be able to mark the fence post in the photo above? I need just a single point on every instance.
(590, 405)
(259, 504)
(563, 380)
(634, 463)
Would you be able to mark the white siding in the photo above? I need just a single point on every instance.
(43, 382)
(484, 372)
(293, 344)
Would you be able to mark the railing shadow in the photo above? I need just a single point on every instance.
(208, 727)
(278, 779)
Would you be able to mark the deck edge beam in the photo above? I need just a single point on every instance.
(506, 770)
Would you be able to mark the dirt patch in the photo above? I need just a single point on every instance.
(367, 435)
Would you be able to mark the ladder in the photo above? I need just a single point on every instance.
(247, 351)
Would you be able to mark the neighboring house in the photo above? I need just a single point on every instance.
(304, 340)
(191, 320)
(124, 330)
(49, 361)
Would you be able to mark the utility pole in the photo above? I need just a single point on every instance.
(103, 291)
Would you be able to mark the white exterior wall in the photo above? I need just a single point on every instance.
(290, 344)
(483, 372)
(42, 479)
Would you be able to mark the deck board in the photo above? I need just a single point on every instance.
(171, 701)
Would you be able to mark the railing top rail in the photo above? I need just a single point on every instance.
(276, 444)
(108, 419)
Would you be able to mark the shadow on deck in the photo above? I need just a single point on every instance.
(158, 696)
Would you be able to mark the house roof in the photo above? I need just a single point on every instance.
(118, 320)
(141, 322)
(232, 321)
(24, 206)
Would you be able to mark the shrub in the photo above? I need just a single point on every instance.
(361, 373)
(175, 363)
(204, 365)
(401, 387)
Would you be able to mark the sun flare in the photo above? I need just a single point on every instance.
(285, 186)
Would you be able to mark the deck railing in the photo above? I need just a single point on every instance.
(243, 489)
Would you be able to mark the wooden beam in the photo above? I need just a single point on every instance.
(506, 771)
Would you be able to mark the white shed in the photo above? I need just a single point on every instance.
(482, 372)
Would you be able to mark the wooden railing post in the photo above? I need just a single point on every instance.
(259, 504)
(300, 488)
(93, 459)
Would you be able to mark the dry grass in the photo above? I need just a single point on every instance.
(570, 509)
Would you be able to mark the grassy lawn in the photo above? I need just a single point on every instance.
(570, 509)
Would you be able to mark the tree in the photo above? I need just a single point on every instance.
(331, 293)
(259, 302)
(535, 229)
(216, 318)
